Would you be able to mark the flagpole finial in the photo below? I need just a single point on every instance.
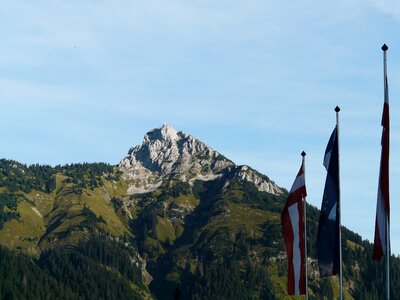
(303, 154)
(384, 47)
(337, 109)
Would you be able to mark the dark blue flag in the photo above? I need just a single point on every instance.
(328, 246)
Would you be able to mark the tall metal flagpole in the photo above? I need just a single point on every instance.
(303, 154)
(384, 49)
(387, 259)
(337, 109)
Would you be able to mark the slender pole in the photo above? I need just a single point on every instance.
(303, 154)
(337, 109)
(387, 259)
(386, 97)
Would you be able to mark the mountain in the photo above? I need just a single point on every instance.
(174, 219)
(167, 154)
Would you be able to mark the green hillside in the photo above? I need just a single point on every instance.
(84, 237)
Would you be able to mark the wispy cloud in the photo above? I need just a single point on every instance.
(389, 7)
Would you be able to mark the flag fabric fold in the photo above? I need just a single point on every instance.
(383, 206)
(293, 234)
(328, 241)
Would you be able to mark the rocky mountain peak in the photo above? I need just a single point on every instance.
(165, 133)
(168, 154)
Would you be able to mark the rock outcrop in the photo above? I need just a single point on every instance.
(167, 154)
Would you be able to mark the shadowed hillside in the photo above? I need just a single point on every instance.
(175, 217)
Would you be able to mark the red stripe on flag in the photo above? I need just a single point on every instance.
(384, 171)
(383, 203)
(289, 230)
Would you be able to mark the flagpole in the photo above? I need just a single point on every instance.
(337, 109)
(384, 49)
(303, 154)
(387, 259)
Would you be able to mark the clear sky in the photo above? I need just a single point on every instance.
(82, 81)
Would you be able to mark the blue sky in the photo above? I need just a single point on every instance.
(256, 80)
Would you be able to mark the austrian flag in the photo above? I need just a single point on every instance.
(293, 234)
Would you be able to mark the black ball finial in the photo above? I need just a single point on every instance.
(337, 109)
(303, 154)
(384, 47)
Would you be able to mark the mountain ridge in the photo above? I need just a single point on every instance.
(217, 238)
(167, 153)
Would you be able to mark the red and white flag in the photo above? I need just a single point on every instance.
(381, 240)
(293, 235)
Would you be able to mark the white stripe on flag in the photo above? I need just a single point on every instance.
(327, 159)
(298, 183)
(294, 219)
(332, 214)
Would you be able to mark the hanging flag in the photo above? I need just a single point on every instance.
(293, 235)
(328, 237)
(381, 240)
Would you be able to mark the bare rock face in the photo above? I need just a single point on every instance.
(168, 154)
(248, 174)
